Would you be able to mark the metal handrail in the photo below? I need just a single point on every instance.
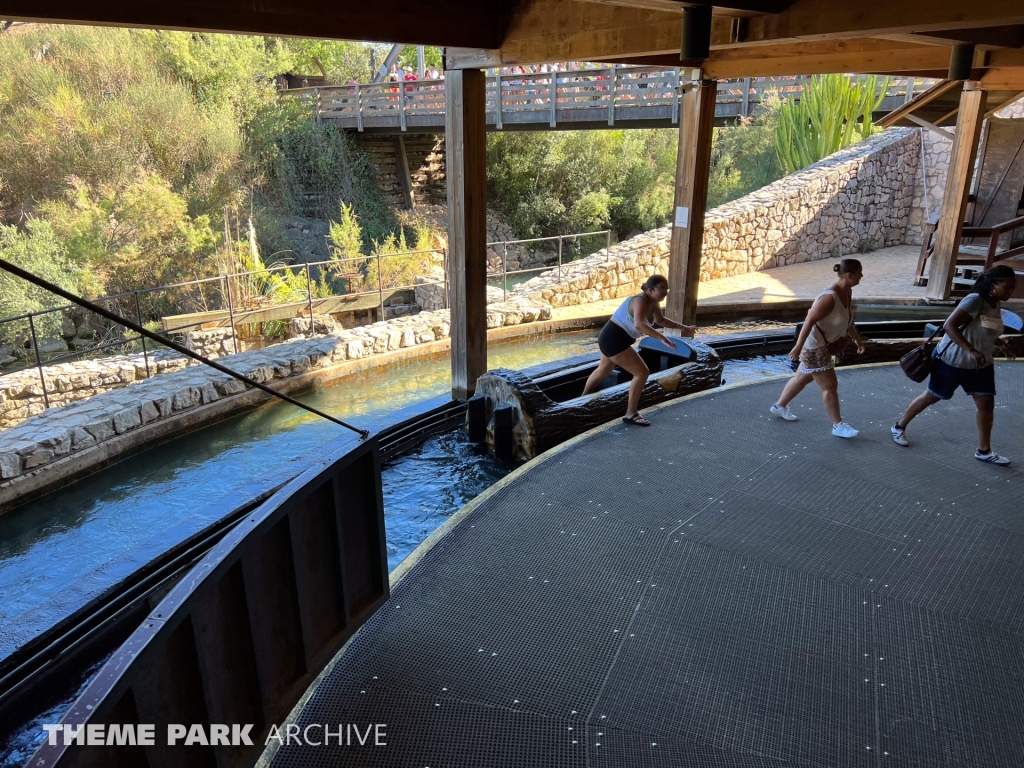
(547, 93)
(237, 315)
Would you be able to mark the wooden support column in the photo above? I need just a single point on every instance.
(465, 147)
(692, 170)
(954, 199)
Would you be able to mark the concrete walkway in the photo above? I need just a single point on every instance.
(888, 279)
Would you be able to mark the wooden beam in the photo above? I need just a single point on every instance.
(748, 6)
(824, 19)
(1010, 36)
(1003, 103)
(1003, 79)
(457, 22)
(954, 199)
(466, 148)
(930, 126)
(927, 97)
(892, 61)
(553, 30)
(693, 168)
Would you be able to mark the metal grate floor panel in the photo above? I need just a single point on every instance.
(722, 590)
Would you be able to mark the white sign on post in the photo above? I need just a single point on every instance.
(682, 216)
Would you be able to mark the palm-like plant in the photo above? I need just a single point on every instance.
(833, 112)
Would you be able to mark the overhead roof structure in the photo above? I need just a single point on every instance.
(749, 37)
(939, 106)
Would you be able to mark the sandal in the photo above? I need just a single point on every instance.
(637, 419)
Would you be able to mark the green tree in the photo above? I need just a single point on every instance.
(743, 157)
(337, 61)
(833, 113)
(95, 104)
(39, 250)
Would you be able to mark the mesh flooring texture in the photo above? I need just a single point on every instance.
(722, 590)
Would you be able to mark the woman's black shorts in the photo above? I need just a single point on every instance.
(613, 339)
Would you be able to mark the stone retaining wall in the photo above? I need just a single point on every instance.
(87, 386)
(856, 200)
(80, 424)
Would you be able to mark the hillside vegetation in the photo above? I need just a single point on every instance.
(134, 158)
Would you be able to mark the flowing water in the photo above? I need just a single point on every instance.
(63, 548)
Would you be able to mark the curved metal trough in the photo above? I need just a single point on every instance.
(240, 638)
(521, 417)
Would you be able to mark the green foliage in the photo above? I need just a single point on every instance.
(326, 163)
(96, 104)
(131, 143)
(410, 58)
(131, 236)
(562, 183)
(551, 183)
(337, 61)
(39, 250)
(833, 112)
(387, 270)
(743, 157)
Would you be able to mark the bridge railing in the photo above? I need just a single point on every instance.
(571, 96)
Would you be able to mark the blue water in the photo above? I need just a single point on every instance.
(52, 547)
(46, 546)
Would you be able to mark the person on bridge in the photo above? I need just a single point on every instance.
(826, 330)
(965, 358)
(631, 320)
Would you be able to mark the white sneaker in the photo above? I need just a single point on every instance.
(899, 435)
(783, 413)
(991, 458)
(842, 429)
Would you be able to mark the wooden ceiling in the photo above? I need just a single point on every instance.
(749, 37)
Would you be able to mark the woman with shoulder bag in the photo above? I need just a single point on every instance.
(964, 358)
(826, 331)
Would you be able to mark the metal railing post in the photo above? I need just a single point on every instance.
(380, 287)
(553, 92)
(559, 258)
(608, 238)
(138, 317)
(231, 312)
(497, 88)
(676, 84)
(359, 108)
(316, 105)
(504, 272)
(39, 362)
(309, 294)
(611, 97)
(401, 105)
(444, 254)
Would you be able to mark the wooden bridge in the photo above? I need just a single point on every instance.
(623, 97)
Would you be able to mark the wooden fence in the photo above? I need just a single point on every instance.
(637, 97)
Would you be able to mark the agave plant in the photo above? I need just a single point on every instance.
(833, 112)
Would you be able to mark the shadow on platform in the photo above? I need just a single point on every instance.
(723, 589)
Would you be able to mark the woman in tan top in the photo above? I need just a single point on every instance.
(828, 320)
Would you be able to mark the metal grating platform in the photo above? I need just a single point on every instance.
(722, 590)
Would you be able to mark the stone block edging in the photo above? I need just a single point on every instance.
(83, 428)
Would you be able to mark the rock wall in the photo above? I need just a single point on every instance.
(856, 200)
(21, 393)
(91, 412)
(930, 183)
(931, 180)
